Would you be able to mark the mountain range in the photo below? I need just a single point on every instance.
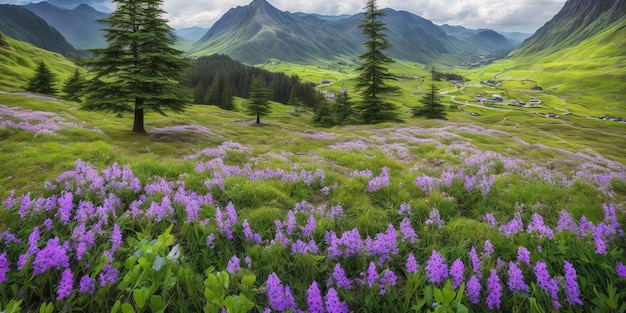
(78, 25)
(258, 32)
(22, 24)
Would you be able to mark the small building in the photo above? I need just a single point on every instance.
(496, 97)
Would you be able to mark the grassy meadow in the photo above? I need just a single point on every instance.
(504, 210)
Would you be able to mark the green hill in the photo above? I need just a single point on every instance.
(18, 61)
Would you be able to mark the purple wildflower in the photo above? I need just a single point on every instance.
(488, 248)
(384, 246)
(116, 238)
(548, 284)
(33, 241)
(456, 272)
(408, 233)
(233, 264)
(21, 261)
(4, 267)
(491, 220)
(309, 228)
(411, 264)
(65, 285)
(280, 297)
(314, 299)
(380, 181)
(47, 224)
(537, 224)
(494, 291)
(248, 261)
(434, 219)
(389, 278)
(516, 279)
(372, 274)
(87, 285)
(108, 275)
(436, 268)
(340, 278)
(572, 293)
(405, 209)
(333, 304)
(209, 241)
(598, 239)
(566, 222)
(52, 255)
(514, 226)
(620, 269)
(473, 289)
(523, 255)
(474, 260)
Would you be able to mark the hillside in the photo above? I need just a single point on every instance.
(578, 56)
(19, 60)
(78, 25)
(21, 24)
(258, 32)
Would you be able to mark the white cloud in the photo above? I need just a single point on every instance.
(503, 15)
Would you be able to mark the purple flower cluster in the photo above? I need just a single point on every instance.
(516, 279)
(408, 233)
(572, 293)
(4, 267)
(548, 284)
(66, 284)
(249, 234)
(380, 181)
(339, 278)
(384, 245)
(314, 300)
(434, 219)
(349, 244)
(38, 122)
(52, 255)
(473, 288)
(494, 291)
(405, 209)
(411, 264)
(280, 297)
(457, 270)
(514, 226)
(436, 268)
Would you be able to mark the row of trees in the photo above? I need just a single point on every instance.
(140, 71)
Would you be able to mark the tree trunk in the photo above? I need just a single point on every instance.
(258, 118)
(138, 122)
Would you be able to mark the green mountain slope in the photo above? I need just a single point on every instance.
(21, 24)
(18, 61)
(579, 55)
(78, 25)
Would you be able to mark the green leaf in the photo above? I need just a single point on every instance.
(210, 308)
(46, 308)
(141, 296)
(157, 304)
(439, 296)
(462, 309)
(14, 306)
(534, 307)
(247, 281)
(127, 308)
(116, 306)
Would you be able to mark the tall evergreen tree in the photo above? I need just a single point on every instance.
(73, 87)
(431, 102)
(258, 103)
(325, 115)
(140, 70)
(43, 81)
(374, 75)
(344, 107)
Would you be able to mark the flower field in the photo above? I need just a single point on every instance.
(396, 219)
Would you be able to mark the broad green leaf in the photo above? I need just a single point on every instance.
(247, 281)
(116, 306)
(127, 308)
(157, 304)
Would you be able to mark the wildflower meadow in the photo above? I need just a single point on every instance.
(396, 219)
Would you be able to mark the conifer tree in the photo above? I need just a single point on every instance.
(343, 107)
(431, 102)
(140, 70)
(43, 81)
(73, 87)
(258, 103)
(374, 75)
(325, 114)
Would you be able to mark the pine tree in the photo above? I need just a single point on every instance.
(325, 114)
(344, 107)
(73, 87)
(432, 106)
(374, 74)
(258, 103)
(139, 71)
(43, 81)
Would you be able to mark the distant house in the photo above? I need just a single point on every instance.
(496, 97)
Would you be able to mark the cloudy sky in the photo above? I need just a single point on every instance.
(501, 15)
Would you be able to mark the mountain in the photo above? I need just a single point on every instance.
(191, 33)
(577, 21)
(19, 60)
(579, 54)
(258, 32)
(78, 25)
(100, 5)
(22, 24)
